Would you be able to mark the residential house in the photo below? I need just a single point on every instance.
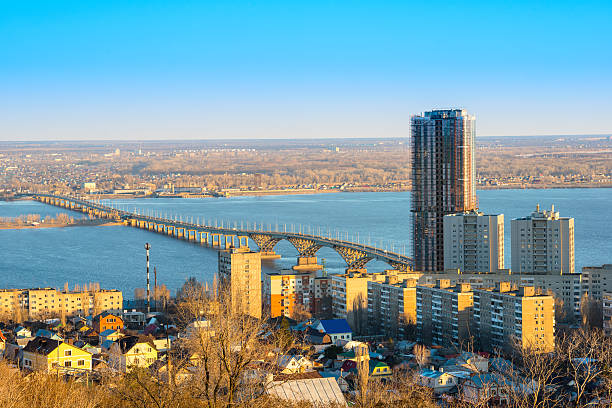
(294, 364)
(485, 388)
(338, 329)
(48, 334)
(110, 334)
(379, 369)
(106, 320)
(22, 332)
(43, 354)
(130, 352)
(438, 380)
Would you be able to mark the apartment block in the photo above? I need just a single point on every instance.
(49, 302)
(566, 287)
(285, 290)
(240, 272)
(444, 312)
(543, 243)
(474, 242)
(607, 313)
(506, 317)
(392, 306)
(597, 280)
(349, 293)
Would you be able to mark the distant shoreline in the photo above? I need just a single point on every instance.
(274, 192)
(91, 223)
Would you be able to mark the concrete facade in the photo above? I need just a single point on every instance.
(349, 293)
(506, 317)
(392, 306)
(240, 271)
(607, 313)
(566, 287)
(597, 280)
(286, 289)
(50, 302)
(444, 313)
(542, 243)
(474, 242)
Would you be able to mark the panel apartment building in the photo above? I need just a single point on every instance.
(240, 273)
(349, 293)
(506, 317)
(285, 290)
(392, 306)
(443, 180)
(596, 280)
(474, 242)
(444, 313)
(50, 302)
(543, 243)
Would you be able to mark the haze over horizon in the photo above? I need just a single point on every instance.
(275, 70)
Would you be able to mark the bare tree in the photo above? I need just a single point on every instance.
(421, 354)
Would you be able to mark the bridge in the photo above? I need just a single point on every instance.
(356, 255)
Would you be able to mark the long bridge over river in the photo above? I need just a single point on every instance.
(356, 255)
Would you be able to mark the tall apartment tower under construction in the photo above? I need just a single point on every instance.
(443, 180)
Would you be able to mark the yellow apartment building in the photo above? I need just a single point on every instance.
(392, 306)
(50, 302)
(505, 318)
(240, 271)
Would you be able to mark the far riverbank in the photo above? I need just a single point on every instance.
(84, 223)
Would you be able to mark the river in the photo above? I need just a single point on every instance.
(114, 255)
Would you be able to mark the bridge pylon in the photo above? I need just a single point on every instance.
(266, 245)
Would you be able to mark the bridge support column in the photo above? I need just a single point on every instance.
(243, 242)
(203, 237)
(307, 263)
(216, 244)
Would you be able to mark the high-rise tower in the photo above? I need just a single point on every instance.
(443, 174)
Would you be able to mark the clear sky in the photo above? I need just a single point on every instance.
(285, 69)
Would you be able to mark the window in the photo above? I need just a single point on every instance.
(81, 363)
(67, 353)
(68, 363)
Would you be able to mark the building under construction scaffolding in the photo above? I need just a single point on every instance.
(443, 180)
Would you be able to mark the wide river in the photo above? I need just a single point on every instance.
(114, 255)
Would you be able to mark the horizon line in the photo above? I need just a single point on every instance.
(285, 139)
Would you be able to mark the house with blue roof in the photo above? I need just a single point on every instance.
(438, 380)
(337, 329)
(22, 332)
(48, 334)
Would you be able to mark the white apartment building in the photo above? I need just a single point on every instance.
(607, 313)
(597, 280)
(474, 242)
(543, 243)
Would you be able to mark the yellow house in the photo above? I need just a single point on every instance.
(130, 352)
(43, 354)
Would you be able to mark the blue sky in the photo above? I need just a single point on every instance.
(284, 69)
